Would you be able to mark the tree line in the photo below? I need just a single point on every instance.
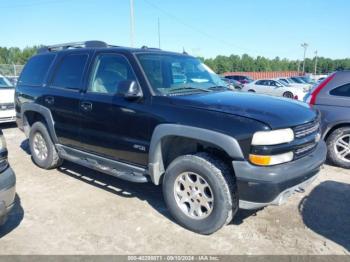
(220, 64)
(246, 63)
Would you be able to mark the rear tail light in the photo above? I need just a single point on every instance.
(317, 90)
(296, 97)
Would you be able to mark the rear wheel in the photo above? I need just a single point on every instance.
(200, 192)
(288, 94)
(338, 144)
(43, 150)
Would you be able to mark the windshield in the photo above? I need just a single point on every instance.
(298, 80)
(170, 74)
(283, 81)
(5, 83)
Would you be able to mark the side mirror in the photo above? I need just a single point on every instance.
(129, 89)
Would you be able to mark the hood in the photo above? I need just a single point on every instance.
(7, 95)
(273, 111)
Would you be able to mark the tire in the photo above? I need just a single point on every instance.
(251, 90)
(288, 94)
(335, 147)
(221, 184)
(48, 160)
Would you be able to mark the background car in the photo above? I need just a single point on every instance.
(287, 81)
(7, 105)
(7, 182)
(241, 78)
(275, 88)
(232, 84)
(297, 80)
(332, 98)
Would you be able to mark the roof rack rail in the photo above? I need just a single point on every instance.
(86, 44)
(150, 48)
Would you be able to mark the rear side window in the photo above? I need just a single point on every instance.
(341, 91)
(35, 71)
(70, 71)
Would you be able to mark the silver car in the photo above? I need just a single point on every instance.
(332, 98)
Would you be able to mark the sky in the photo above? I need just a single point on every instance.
(205, 28)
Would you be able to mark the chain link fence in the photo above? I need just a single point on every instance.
(9, 70)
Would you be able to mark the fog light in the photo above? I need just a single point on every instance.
(262, 160)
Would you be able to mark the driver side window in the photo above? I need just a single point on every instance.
(108, 72)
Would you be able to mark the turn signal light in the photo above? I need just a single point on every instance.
(260, 160)
(263, 160)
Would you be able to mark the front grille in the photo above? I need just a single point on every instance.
(7, 106)
(307, 129)
(304, 150)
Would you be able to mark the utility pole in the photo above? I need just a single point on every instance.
(305, 46)
(315, 62)
(132, 23)
(158, 33)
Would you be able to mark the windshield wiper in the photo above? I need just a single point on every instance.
(187, 88)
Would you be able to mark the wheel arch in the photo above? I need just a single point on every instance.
(334, 127)
(31, 112)
(188, 135)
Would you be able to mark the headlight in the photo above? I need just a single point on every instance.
(261, 160)
(2, 142)
(274, 137)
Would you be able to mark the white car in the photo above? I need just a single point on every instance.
(7, 101)
(276, 88)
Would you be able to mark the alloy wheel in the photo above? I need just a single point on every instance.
(193, 195)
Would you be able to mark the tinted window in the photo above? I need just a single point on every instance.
(341, 91)
(70, 71)
(5, 84)
(36, 69)
(260, 82)
(108, 72)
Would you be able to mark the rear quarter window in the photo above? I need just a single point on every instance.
(343, 90)
(36, 69)
(69, 72)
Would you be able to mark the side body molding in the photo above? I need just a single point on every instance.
(44, 112)
(223, 141)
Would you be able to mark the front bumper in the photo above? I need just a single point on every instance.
(7, 116)
(262, 186)
(7, 192)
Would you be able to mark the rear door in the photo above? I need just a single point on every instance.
(63, 97)
(112, 126)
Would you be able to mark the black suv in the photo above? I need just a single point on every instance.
(150, 115)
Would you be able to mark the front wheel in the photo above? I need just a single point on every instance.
(288, 95)
(200, 192)
(338, 144)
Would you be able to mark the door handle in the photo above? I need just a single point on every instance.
(86, 106)
(49, 100)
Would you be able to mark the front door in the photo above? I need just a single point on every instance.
(112, 126)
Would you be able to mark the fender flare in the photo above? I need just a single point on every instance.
(156, 166)
(43, 111)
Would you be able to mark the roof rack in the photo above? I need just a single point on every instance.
(86, 44)
(150, 48)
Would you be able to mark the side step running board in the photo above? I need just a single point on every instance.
(111, 167)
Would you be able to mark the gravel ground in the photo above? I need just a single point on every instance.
(73, 210)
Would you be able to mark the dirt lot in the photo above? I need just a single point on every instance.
(74, 210)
